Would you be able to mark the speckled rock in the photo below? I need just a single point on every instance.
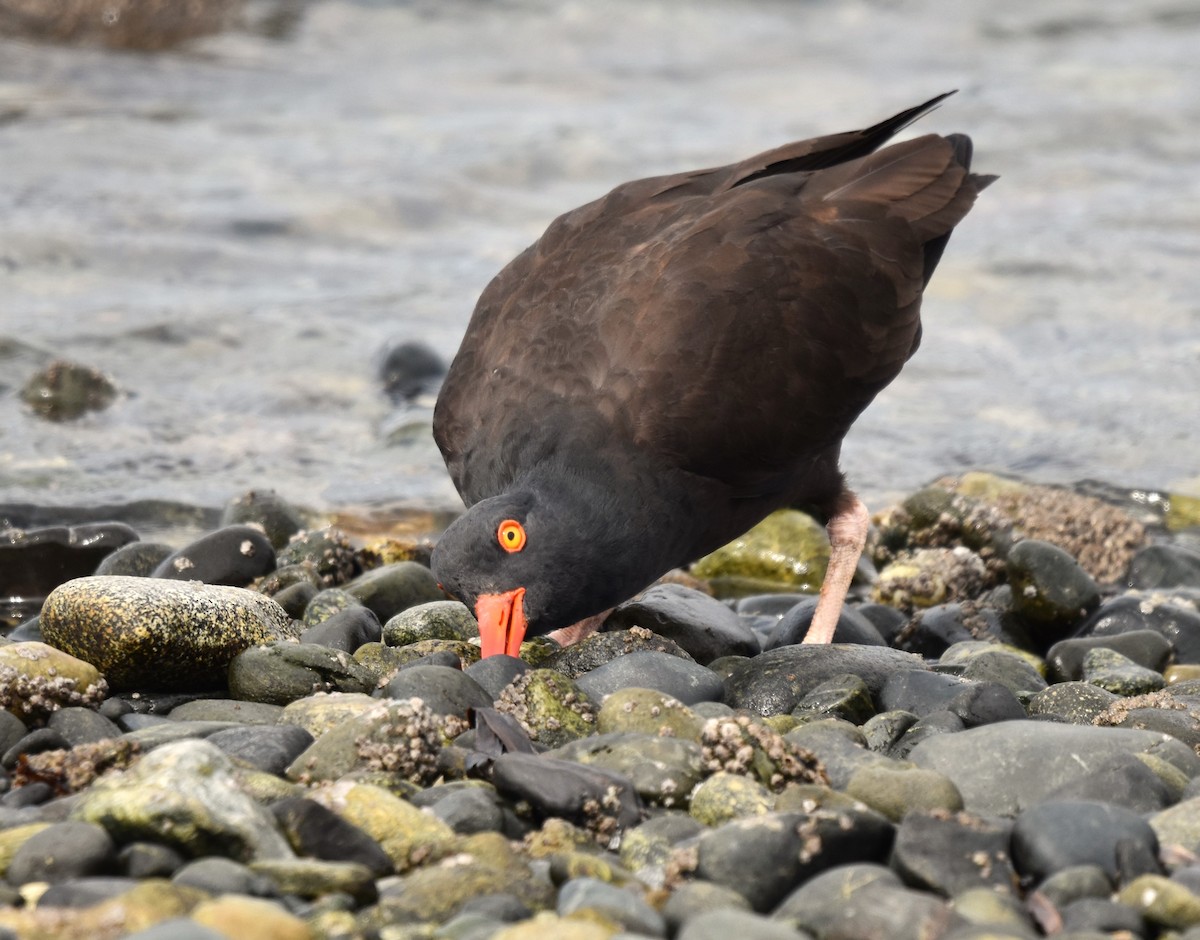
(949, 852)
(1118, 674)
(600, 648)
(393, 588)
(183, 794)
(663, 770)
(741, 745)
(787, 551)
(648, 711)
(234, 555)
(703, 626)
(725, 796)
(930, 576)
(435, 620)
(155, 633)
(328, 551)
(36, 680)
(325, 603)
(1049, 588)
(549, 706)
(1079, 703)
(281, 672)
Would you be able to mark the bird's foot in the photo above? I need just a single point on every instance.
(569, 636)
(847, 529)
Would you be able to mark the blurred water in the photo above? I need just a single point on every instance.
(236, 230)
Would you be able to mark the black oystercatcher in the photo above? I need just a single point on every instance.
(670, 363)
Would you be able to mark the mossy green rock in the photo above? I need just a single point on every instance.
(408, 836)
(650, 712)
(663, 770)
(282, 672)
(383, 661)
(159, 633)
(1109, 670)
(37, 679)
(1049, 588)
(312, 877)
(1183, 512)
(1162, 901)
(650, 846)
(319, 712)
(895, 790)
(435, 620)
(550, 706)
(787, 551)
(327, 603)
(725, 796)
(930, 576)
(148, 903)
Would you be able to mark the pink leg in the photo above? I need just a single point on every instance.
(847, 529)
(569, 636)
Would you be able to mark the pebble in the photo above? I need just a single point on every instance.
(444, 690)
(1109, 670)
(663, 770)
(275, 516)
(282, 672)
(951, 852)
(346, 630)
(686, 681)
(435, 620)
(1178, 624)
(393, 588)
(618, 905)
(1148, 648)
(1060, 834)
(37, 679)
(852, 627)
(704, 627)
(1164, 566)
(62, 852)
(1049, 588)
(234, 555)
(269, 748)
(787, 551)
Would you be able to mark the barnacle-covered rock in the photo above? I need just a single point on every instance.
(740, 745)
(931, 576)
(37, 679)
(69, 771)
(328, 549)
(549, 706)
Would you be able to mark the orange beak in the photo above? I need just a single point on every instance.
(502, 623)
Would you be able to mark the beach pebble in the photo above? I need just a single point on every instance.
(327, 552)
(1178, 624)
(1049, 588)
(1148, 648)
(724, 796)
(346, 630)
(1061, 834)
(681, 679)
(282, 672)
(601, 648)
(270, 748)
(434, 620)
(648, 711)
(723, 924)
(896, 790)
(234, 555)
(622, 906)
(701, 625)
(948, 853)
(852, 627)
(393, 588)
(137, 559)
(588, 796)
(315, 831)
(36, 679)
(663, 770)
(443, 690)
(62, 852)
(267, 510)
(1109, 670)
(496, 672)
(1164, 566)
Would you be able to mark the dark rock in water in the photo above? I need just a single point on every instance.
(1164, 566)
(1059, 834)
(496, 672)
(328, 551)
(920, 691)
(952, 852)
(588, 796)
(1003, 768)
(410, 370)
(150, 633)
(1049, 588)
(686, 681)
(234, 555)
(601, 648)
(765, 857)
(278, 518)
(393, 588)
(852, 627)
(64, 391)
(346, 630)
(1178, 624)
(1079, 703)
(137, 559)
(270, 748)
(774, 682)
(443, 690)
(317, 832)
(279, 673)
(64, 851)
(33, 562)
(1149, 648)
(702, 625)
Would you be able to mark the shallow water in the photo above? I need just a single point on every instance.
(236, 230)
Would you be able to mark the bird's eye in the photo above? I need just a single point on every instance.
(511, 535)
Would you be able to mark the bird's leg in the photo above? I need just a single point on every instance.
(569, 636)
(847, 529)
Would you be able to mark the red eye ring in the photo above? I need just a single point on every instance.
(511, 535)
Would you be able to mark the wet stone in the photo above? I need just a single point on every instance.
(703, 626)
(281, 672)
(295, 598)
(663, 770)
(315, 831)
(852, 627)
(1049, 588)
(36, 679)
(321, 711)
(787, 551)
(845, 696)
(35, 561)
(326, 603)
(647, 848)
(79, 725)
(1075, 882)
(1008, 669)
(142, 860)
(920, 691)
(444, 690)
(234, 555)
(896, 790)
(410, 369)
(1079, 703)
(64, 391)
(1111, 671)
(1102, 916)
(551, 708)
(137, 559)
(314, 878)
(884, 730)
(266, 509)
(64, 851)
(1164, 566)
(983, 703)
(469, 809)
(1178, 624)
(435, 620)
(1148, 648)
(346, 630)
(601, 648)
(686, 681)
(599, 800)
(1123, 780)
(620, 905)
(393, 588)
(227, 709)
(496, 672)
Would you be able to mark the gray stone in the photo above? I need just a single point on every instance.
(620, 905)
(435, 620)
(1049, 588)
(396, 587)
(682, 679)
(700, 624)
(270, 748)
(663, 770)
(443, 690)
(280, 673)
(64, 851)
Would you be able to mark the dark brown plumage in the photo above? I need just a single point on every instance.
(671, 362)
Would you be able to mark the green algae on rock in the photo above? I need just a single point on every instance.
(157, 633)
(549, 706)
(787, 551)
(37, 679)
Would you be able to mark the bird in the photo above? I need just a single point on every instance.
(670, 363)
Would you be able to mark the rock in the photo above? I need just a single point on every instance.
(1101, 916)
(148, 903)
(1079, 703)
(953, 852)
(393, 588)
(1179, 625)
(435, 620)
(701, 625)
(647, 848)
(142, 860)
(322, 711)
(725, 796)
(409, 370)
(79, 725)
(183, 794)
(618, 905)
(407, 835)
(1162, 902)
(216, 875)
(443, 690)
(648, 711)
(1060, 834)
(1124, 780)
(36, 680)
(233, 915)
(774, 682)
(270, 748)
(266, 509)
(326, 603)
(282, 672)
(314, 878)
(155, 633)
(1009, 669)
(346, 630)
(722, 924)
(1004, 768)
(64, 391)
(896, 791)
(1071, 884)
(1148, 648)
(328, 552)
(787, 551)
(930, 576)
(468, 809)
(551, 708)
(295, 598)
(136, 559)
(846, 697)
(62, 852)
(1049, 588)
(663, 770)
(920, 692)
(601, 648)
(227, 709)
(686, 681)
(983, 703)
(852, 627)
(597, 799)
(886, 729)
(314, 831)
(234, 555)
(1118, 674)
(741, 745)
(1164, 566)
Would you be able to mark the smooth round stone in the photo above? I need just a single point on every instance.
(1010, 670)
(948, 853)
(409, 370)
(36, 679)
(84, 891)
(295, 598)
(227, 709)
(647, 848)
(852, 627)
(1162, 902)
(12, 729)
(774, 682)
(468, 809)
(722, 924)
(702, 625)
(920, 692)
(1146, 648)
(313, 878)
(885, 730)
(156, 633)
(224, 876)
(1003, 768)
(984, 703)
(64, 851)
(933, 725)
(1075, 882)
(566, 789)
(838, 746)
(444, 690)
(141, 860)
(686, 681)
(396, 587)
(435, 620)
(1078, 703)
(322, 711)
(602, 648)
(235, 915)
(663, 770)
(326, 603)
(315, 831)
(1102, 916)
(270, 748)
(496, 672)
(996, 915)
(82, 725)
(897, 790)
(346, 630)
(234, 555)
(1179, 825)
(724, 796)
(282, 672)
(35, 561)
(1109, 670)
(551, 708)
(1125, 780)
(786, 551)
(619, 905)
(1164, 566)
(1178, 624)
(650, 712)
(1049, 588)
(266, 509)
(846, 697)
(137, 560)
